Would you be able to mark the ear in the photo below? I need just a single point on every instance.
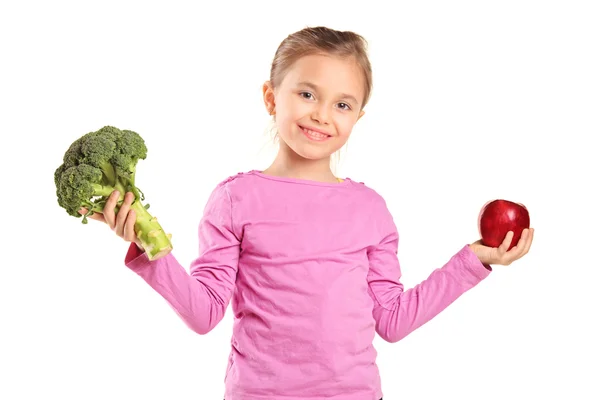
(269, 97)
(362, 112)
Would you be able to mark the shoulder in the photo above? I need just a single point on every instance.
(235, 186)
(222, 195)
(368, 192)
(376, 205)
(236, 182)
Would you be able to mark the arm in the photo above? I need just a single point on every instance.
(201, 297)
(399, 312)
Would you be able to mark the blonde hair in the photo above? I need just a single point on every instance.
(321, 40)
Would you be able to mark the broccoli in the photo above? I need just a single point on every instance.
(93, 167)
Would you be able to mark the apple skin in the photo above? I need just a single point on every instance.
(498, 217)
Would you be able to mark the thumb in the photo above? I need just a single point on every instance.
(95, 215)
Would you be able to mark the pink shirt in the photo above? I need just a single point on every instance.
(312, 273)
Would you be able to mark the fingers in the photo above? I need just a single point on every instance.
(521, 248)
(529, 241)
(123, 222)
(506, 242)
(525, 242)
(109, 209)
(505, 256)
(129, 229)
(517, 251)
(123, 213)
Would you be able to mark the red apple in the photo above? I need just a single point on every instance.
(498, 217)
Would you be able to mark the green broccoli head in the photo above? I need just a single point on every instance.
(80, 186)
(99, 163)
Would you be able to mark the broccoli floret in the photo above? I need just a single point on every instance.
(93, 167)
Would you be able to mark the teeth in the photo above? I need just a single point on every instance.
(316, 135)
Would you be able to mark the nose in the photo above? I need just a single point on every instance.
(320, 114)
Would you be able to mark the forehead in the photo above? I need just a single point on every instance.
(333, 74)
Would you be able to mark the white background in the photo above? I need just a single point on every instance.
(472, 101)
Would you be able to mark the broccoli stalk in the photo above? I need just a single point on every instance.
(96, 165)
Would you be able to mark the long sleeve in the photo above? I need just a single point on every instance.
(201, 297)
(399, 312)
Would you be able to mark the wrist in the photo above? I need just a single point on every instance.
(477, 250)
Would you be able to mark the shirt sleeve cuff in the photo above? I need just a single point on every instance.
(135, 258)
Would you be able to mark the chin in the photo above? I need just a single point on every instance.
(312, 154)
(311, 151)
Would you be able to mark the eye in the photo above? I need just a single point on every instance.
(306, 95)
(344, 106)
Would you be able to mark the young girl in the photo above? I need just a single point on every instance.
(308, 260)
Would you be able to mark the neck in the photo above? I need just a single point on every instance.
(290, 165)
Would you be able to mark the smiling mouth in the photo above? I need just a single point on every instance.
(314, 135)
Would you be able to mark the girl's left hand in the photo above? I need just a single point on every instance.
(500, 255)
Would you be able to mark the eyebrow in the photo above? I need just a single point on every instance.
(316, 89)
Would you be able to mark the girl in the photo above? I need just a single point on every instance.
(308, 260)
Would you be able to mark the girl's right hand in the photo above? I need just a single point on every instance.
(121, 223)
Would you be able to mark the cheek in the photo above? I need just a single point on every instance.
(290, 112)
(344, 125)
(286, 110)
(284, 123)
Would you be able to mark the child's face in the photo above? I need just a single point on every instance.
(318, 94)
